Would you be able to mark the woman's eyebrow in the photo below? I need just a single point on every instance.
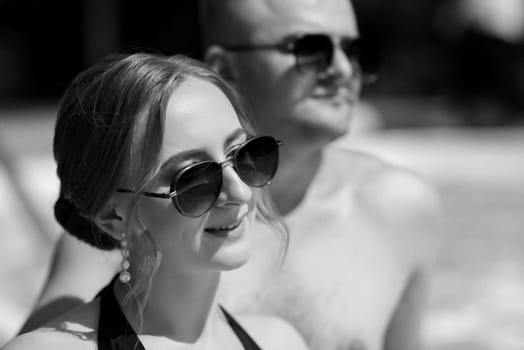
(184, 157)
(234, 136)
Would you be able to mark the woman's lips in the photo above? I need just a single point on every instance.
(224, 231)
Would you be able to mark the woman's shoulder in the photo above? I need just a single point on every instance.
(76, 329)
(272, 333)
(51, 339)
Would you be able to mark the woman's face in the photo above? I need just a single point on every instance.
(201, 125)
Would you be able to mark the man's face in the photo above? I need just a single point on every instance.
(298, 104)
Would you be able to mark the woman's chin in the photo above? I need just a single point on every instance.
(231, 257)
(228, 250)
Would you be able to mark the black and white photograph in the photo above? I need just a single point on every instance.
(262, 174)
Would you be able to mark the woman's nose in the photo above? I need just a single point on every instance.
(234, 190)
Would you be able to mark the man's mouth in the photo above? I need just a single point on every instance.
(336, 93)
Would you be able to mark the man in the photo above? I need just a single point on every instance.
(363, 234)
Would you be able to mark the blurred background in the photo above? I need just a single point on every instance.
(449, 104)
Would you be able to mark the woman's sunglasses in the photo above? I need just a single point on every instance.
(196, 187)
(312, 50)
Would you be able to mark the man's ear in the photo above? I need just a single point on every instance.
(110, 220)
(219, 60)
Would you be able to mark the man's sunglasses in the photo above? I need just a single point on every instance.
(196, 187)
(311, 50)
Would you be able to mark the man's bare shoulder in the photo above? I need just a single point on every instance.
(271, 332)
(394, 197)
(396, 194)
(377, 182)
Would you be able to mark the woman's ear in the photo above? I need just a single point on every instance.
(219, 60)
(110, 220)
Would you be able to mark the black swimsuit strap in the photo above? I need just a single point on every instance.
(115, 332)
(245, 339)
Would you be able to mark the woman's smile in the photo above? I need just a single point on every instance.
(232, 230)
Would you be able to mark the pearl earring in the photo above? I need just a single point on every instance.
(125, 276)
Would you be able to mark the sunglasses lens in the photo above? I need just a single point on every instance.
(314, 51)
(257, 161)
(364, 55)
(351, 48)
(197, 188)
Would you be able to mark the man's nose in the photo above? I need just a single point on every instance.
(234, 190)
(342, 66)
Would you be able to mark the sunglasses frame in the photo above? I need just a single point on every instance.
(231, 157)
(289, 45)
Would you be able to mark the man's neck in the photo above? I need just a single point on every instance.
(297, 168)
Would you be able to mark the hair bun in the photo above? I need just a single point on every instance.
(68, 217)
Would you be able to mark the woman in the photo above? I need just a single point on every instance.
(151, 151)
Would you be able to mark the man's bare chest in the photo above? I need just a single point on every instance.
(340, 282)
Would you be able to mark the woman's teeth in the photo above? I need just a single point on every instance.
(223, 228)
